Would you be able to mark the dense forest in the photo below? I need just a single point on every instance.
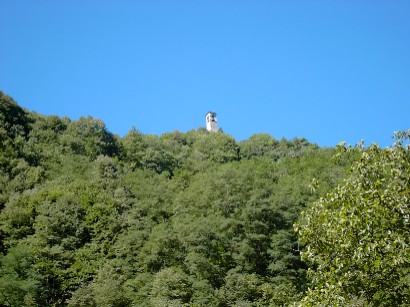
(88, 218)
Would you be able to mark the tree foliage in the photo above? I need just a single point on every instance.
(357, 237)
(197, 219)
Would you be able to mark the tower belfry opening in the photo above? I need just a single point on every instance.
(211, 122)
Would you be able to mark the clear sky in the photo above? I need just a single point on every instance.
(328, 71)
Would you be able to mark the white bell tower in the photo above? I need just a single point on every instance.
(211, 122)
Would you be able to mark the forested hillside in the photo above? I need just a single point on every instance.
(182, 219)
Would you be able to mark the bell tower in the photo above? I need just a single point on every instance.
(211, 122)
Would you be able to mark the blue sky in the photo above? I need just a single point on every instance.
(328, 71)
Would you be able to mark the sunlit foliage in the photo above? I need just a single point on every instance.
(182, 219)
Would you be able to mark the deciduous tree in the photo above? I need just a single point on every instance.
(358, 236)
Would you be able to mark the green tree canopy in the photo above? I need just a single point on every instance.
(358, 236)
(197, 219)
